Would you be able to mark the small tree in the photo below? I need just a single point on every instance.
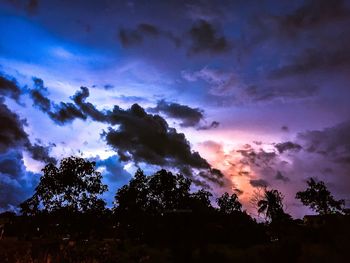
(74, 185)
(228, 204)
(319, 198)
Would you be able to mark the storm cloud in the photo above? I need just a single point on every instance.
(141, 137)
(189, 117)
(287, 146)
(144, 137)
(13, 136)
(259, 183)
(333, 142)
(206, 38)
(16, 183)
(9, 87)
(38, 95)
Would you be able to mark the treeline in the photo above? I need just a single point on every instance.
(161, 211)
(76, 186)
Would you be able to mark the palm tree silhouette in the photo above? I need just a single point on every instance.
(271, 204)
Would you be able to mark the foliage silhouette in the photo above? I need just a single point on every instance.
(319, 198)
(160, 213)
(161, 192)
(228, 204)
(74, 186)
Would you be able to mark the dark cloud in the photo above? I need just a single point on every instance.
(321, 30)
(285, 128)
(38, 95)
(12, 136)
(88, 108)
(188, 116)
(258, 183)
(66, 112)
(140, 137)
(11, 133)
(212, 125)
(40, 153)
(287, 146)
(238, 191)
(108, 86)
(9, 87)
(149, 138)
(134, 37)
(205, 38)
(9, 164)
(16, 183)
(61, 113)
(312, 14)
(310, 60)
(256, 157)
(281, 177)
(333, 142)
(227, 88)
(208, 176)
(143, 137)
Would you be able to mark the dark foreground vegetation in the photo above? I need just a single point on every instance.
(158, 218)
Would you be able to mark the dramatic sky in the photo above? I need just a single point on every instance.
(234, 94)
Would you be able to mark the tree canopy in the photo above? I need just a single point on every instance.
(319, 198)
(75, 185)
(229, 204)
(162, 191)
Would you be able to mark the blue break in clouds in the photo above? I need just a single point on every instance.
(25, 41)
(16, 183)
(114, 175)
(20, 39)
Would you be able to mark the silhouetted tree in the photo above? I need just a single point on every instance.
(229, 204)
(168, 191)
(319, 198)
(271, 205)
(200, 201)
(75, 185)
(133, 196)
(159, 192)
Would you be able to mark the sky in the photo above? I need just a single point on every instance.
(236, 95)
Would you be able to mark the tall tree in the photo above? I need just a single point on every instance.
(319, 198)
(75, 185)
(229, 204)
